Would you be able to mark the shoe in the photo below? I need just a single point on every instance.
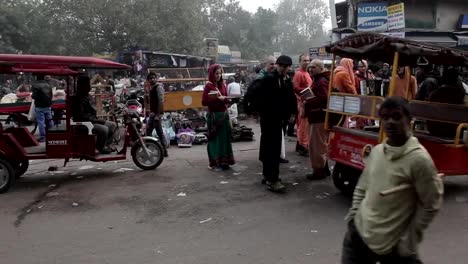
(225, 167)
(216, 168)
(277, 187)
(284, 161)
(317, 175)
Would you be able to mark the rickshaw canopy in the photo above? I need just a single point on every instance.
(378, 47)
(54, 65)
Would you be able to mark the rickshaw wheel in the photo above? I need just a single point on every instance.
(7, 175)
(147, 163)
(21, 168)
(345, 178)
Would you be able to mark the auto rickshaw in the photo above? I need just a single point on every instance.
(348, 147)
(69, 140)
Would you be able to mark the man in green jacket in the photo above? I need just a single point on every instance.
(397, 197)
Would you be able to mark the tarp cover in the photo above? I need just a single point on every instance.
(377, 47)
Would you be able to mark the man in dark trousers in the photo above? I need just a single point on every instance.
(272, 97)
(397, 197)
(42, 95)
(156, 99)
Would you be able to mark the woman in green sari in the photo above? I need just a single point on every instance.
(219, 127)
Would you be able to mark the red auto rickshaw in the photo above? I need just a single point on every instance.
(69, 140)
(348, 147)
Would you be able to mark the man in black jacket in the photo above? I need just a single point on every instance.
(42, 95)
(272, 97)
(83, 111)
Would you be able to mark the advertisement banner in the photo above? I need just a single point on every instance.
(372, 17)
(396, 16)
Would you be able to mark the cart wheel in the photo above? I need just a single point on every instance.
(21, 168)
(7, 175)
(142, 160)
(345, 178)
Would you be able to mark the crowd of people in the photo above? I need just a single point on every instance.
(381, 228)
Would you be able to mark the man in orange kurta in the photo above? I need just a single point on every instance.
(302, 80)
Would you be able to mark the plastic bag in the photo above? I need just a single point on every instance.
(32, 112)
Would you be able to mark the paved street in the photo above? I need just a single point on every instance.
(183, 213)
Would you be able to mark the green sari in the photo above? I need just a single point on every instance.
(219, 139)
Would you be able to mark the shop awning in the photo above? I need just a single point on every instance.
(445, 41)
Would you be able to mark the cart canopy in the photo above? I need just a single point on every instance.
(378, 47)
(54, 65)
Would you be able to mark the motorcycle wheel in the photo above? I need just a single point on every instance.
(142, 160)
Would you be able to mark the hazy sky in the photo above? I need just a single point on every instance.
(252, 6)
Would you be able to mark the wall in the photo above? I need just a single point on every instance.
(420, 14)
(448, 13)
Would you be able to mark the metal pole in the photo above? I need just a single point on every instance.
(330, 88)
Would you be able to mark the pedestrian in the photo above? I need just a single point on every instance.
(405, 84)
(362, 74)
(272, 97)
(397, 196)
(268, 66)
(344, 77)
(220, 152)
(42, 95)
(302, 80)
(156, 99)
(314, 107)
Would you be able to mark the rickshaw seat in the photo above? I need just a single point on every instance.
(356, 132)
(88, 125)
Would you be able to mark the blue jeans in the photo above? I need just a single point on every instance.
(43, 114)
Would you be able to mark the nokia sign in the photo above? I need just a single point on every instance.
(372, 17)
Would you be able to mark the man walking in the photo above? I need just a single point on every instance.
(302, 80)
(156, 99)
(42, 95)
(273, 98)
(314, 109)
(397, 196)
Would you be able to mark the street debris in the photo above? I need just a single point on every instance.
(320, 196)
(52, 194)
(294, 167)
(314, 231)
(182, 194)
(28, 211)
(86, 167)
(207, 220)
(52, 186)
(310, 254)
(237, 173)
(259, 173)
(52, 168)
(79, 177)
(40, 206)
(327, 194)
(73, 174)
(122, 170)
(224, 182)
(295, 183)
(75, 204)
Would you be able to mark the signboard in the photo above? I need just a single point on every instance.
(372, 17)
(396, 16)
(394, 34)
(211, 47)
(313, 52)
